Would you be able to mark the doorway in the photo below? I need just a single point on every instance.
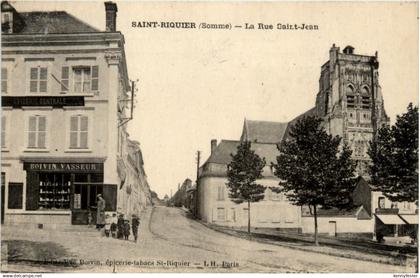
(84, 202)
(332, 228)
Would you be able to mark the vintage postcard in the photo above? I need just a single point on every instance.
(239, 137)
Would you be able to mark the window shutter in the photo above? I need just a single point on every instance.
(4, 80)
(64, 79)
(32, 190)
(32, 132)
(110, 196)
(43, 80)
(73, 131)
(42, 128)
(3, 132)
(33, 85)
(95, 78)
(15, 195)
(83, 132)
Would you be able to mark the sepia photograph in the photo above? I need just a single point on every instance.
(209, 137)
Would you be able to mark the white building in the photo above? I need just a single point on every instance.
(64, 93)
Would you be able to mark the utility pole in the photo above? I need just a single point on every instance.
(198, 164)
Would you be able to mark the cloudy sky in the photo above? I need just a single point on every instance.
(196, 85)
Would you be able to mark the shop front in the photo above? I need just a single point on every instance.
(52, 187)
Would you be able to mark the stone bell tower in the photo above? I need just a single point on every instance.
(350, 101)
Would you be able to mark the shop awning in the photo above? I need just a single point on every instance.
(410, 218)
(390, 219)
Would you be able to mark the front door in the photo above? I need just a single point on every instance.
(332, 228)
(84, 202)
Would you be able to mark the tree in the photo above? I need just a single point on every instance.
(243, 171)
(394, 154)
(315, 169)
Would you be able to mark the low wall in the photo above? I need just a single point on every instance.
(36, 220)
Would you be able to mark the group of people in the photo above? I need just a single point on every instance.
(120, 227)
(116, 227)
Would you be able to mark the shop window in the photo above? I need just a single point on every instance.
(221, 214)
(54, 191)
(4, 79)
(221, 193)
(3, 132)
(79, 132)
(38, 80)
(37, 132)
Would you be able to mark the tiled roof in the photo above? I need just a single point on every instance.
(222, 152)
(310, 112)
(56, 22)
(263, 131)
(358, 212)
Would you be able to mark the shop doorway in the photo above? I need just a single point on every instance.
(84, 202)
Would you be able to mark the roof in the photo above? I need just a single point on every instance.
(55, 22)
(358, 211)
(221, 154)
(263, 131)
(310, 112)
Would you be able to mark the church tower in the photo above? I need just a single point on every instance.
(350, 101)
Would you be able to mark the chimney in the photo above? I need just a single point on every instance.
(213, 145)
(110, 16)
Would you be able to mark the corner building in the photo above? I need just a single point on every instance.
(64, 93)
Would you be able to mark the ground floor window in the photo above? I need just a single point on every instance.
(221, 214)
(54, 190)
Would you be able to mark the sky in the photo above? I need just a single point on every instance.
(196, 85)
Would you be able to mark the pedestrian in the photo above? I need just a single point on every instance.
(114, 222)
(90, 219)
(120, 226)
(100, 212)
(135, 223)
(126, 229)
(108, 221)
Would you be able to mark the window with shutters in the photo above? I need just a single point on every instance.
(38, 79)
(79, 132)
(220, 214)
(4, 81)
(221, 193)
(79, 79)
(3, 132)
(37, 132)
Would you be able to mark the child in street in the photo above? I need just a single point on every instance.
(126, 229)
(135, 223)
(90, 219)
(120, 226)
(114, 221)
(108, 221)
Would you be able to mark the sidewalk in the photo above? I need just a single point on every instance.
(346, 248)
(55, 250)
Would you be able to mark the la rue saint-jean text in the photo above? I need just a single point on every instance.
(203, 25)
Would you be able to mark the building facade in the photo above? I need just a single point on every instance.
(64, 92)
(213, 202)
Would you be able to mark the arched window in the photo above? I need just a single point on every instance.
(350, 97)
(365, 98)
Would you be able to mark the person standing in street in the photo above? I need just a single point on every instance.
(100, 212)
(135, 223)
